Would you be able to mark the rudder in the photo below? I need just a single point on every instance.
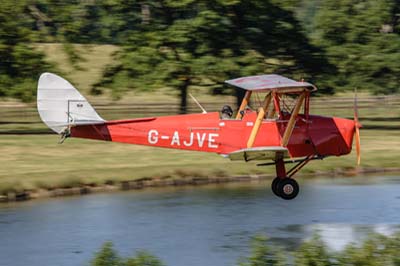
(60, 105)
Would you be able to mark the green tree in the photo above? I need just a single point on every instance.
(204, 42)
(143, 258)
(263, 254)
(313, 253)
(20, 63)
(107, 256)
(101, 21)
(88, 22)
(376, 250)
(362, 39)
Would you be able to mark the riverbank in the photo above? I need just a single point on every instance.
(34, 166)
(124, 185)
(144, 183)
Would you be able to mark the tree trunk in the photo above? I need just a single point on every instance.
(183, 95)
(145, 14)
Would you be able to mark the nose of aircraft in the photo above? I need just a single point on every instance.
(346, 129)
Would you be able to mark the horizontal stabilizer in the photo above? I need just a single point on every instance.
(113, 122)
(126, 121)
(259, 153)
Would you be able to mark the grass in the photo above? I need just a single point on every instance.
(90, 68)
(34, 160)
(37, 161)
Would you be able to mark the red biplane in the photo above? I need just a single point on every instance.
(280, 131)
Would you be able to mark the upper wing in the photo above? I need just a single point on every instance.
(259, 153)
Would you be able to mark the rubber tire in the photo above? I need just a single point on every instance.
(274, 186)
(288, 188)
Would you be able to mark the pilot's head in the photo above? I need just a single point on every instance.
(227, 111)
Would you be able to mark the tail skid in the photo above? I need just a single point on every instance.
(61, 106)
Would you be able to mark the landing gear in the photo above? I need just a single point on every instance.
(284, 186)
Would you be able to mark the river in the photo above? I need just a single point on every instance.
(196, 226)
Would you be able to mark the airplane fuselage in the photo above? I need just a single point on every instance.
(316, 135)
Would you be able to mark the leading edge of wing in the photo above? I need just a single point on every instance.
(259, 153)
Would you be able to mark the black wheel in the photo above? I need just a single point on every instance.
(288, 188)
(274, 185)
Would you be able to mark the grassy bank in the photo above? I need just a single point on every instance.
(37, 161)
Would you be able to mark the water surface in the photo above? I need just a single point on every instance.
(196, 226)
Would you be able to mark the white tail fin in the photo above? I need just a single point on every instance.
(60, 105)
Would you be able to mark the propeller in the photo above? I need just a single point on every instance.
(357, 126)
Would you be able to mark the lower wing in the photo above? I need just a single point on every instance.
(259, 153)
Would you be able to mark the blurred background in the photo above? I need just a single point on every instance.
(138, 58)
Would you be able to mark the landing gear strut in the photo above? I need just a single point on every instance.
(284, 185)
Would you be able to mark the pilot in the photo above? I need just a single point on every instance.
(226, 112)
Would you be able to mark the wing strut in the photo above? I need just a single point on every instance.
(292, 120)
(243, 105)
(260, 117)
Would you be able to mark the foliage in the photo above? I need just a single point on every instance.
(263, 254)
(84, 21)
(20, 64)
(107, 256)
(206, 42)
(362, 39)
(376, 250)
(338, 45)
(313, 252)
(143, 258)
